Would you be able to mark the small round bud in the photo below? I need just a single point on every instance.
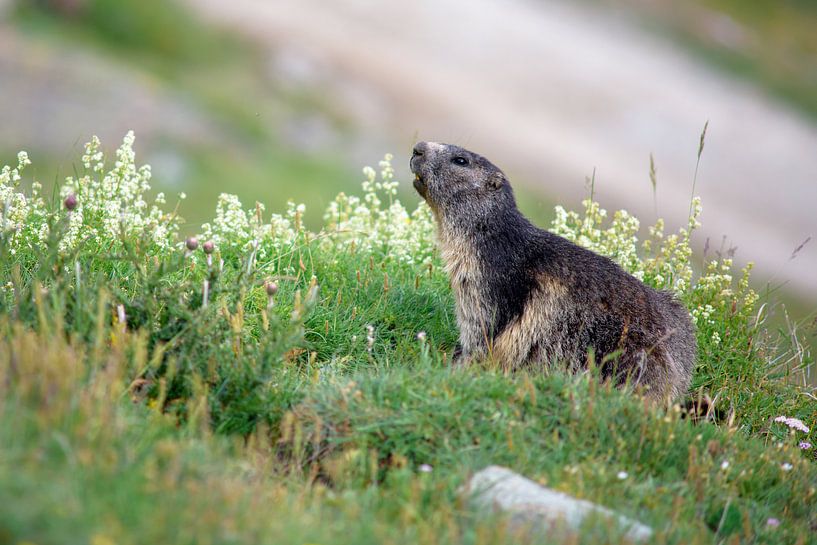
(208, 247)
(271, 288)
(70, 202)
(192, 243)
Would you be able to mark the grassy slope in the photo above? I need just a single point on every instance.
(295, 432)
(88, 466)
(320, 434)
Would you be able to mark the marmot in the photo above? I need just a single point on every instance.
(526, 297)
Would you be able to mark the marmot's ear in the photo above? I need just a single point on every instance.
(496, 180)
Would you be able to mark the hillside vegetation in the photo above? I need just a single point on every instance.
(263, 383)
(234, 118)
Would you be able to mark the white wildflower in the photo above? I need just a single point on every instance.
(113, 204)
(390, 230)
(22, 160)
(369, 337)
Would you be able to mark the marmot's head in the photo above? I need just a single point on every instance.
(455, 181)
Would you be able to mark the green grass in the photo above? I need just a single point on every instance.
(88, 465)
(245, 422)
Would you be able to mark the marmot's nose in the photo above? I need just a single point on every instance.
(419, 149)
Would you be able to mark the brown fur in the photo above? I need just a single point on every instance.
(528, 298)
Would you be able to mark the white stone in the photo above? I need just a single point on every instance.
(539, 508)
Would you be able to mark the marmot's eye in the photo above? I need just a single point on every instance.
(461, 161)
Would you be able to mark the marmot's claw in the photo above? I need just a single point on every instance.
(460, 363)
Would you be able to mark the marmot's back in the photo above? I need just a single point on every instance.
(527, 297)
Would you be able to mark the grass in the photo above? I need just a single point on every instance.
(134, 412)
(342, 466)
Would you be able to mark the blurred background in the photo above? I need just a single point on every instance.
(288, 99)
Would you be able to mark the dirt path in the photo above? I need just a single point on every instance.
(550, 91)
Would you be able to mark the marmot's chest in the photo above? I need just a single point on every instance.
(464, 268)
(462, 264)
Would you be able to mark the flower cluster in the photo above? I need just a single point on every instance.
(368, 225)
(105, 206)
(793, 423)
(22, 218)
(666, 264)
(112, 205)
(246, 230)
(618, 241)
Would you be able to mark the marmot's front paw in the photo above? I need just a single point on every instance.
(460, 360)
(461, 363)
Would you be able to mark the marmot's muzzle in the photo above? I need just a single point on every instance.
(417, 156)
